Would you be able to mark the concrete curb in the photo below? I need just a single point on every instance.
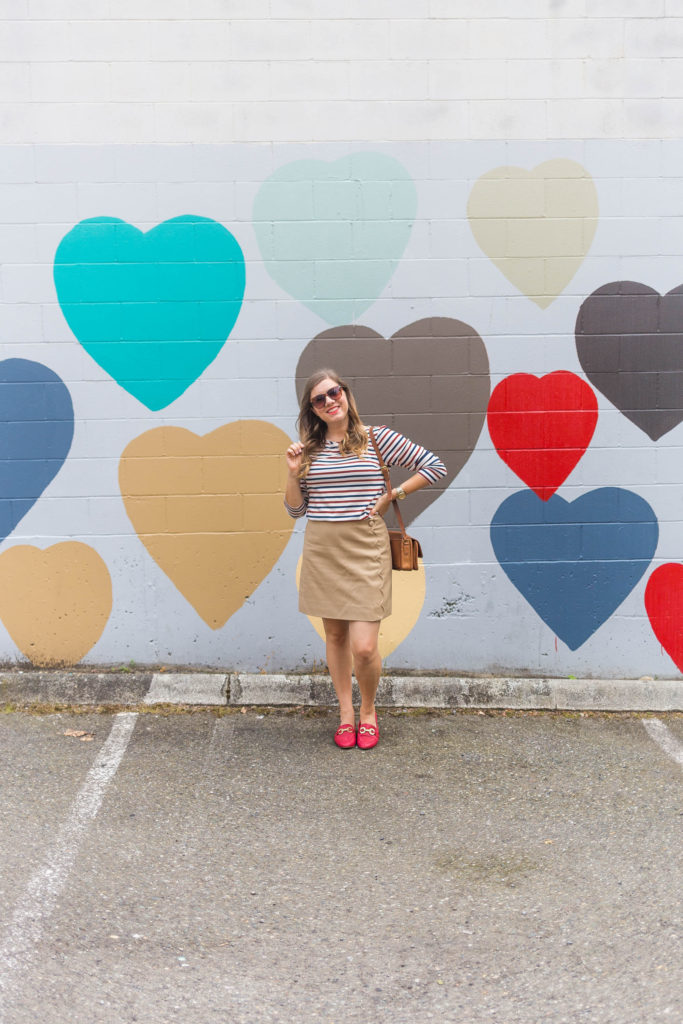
(215, 689)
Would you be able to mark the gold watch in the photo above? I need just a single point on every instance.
(400, 493)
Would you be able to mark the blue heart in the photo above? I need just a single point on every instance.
(153, 309)
(575, 562)
(36, 430)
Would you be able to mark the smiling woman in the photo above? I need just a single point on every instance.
(335, 479)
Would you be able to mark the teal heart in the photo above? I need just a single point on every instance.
(332, 234)
(152, 309)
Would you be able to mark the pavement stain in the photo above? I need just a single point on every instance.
(497, 869)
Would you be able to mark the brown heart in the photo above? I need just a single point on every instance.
(629, 339)
(430, 381)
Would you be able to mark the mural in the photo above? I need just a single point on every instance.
(536, 226)
(153, 310)
(420, 322)
(209, 509)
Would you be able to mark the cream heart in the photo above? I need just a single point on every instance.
(536, 226)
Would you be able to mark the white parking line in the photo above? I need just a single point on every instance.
(661, 735)
(37, 902)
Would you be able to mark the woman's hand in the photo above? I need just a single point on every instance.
(381, 505)
(294, 455)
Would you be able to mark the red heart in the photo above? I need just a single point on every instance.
(664, 607)
(541, 426)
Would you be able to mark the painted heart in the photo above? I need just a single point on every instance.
(664, 607)
(536, 226)
(542, 426)
(153, 310)
(430, 381)
(209, 509)
(575, 562)
(629, 339)
(332, 234)
(408, 596)
(36, 430)
(54, 603)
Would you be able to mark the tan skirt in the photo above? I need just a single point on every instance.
(346, 570)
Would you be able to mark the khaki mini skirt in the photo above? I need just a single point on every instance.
(346, 570)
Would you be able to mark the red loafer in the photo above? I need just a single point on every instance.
(345, 736)
(368, 735)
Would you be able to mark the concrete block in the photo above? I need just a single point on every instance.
(190, 39)
(467, 79)
(301, 80)
(528, 78)
(223, 81)
(348, 39)
(106, 40)
(187, 688)
(431, 39)
(502, 38)
(653, 37)
(272, 39)
(582, 38)
(194, 122)
(70, 81)
(15, 81)
(494, 119)
(152, 81)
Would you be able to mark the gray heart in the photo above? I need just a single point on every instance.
(629, 340)
(430, 381)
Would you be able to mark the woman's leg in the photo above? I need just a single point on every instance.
(339, 663)
(367, 662)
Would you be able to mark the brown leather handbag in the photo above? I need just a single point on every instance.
(405, 550)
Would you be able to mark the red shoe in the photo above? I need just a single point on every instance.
(368, 735)
(345, 736)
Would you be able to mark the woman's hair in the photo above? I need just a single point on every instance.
(313, 431)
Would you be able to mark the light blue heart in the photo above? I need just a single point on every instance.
(152, 309)
(332, 234)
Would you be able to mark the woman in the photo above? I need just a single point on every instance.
(335, 479)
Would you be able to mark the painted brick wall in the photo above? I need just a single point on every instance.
(198, 201)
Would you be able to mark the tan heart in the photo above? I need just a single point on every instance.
(54, 603)
(209, 509)
(536, 226)
(408, 597)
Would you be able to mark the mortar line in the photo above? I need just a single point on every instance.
(38, 900)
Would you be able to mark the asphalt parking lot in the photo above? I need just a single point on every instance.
(234, 866)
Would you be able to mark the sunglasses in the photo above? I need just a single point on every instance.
(320, 401)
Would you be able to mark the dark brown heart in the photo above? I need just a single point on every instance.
(430, 381)
(629, 339)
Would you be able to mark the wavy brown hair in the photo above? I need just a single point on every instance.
(312, 430)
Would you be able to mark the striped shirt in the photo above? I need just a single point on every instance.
(342, 487)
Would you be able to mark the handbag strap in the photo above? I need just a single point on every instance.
(387, 480)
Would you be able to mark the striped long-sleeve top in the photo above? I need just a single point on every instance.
(341, 487)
